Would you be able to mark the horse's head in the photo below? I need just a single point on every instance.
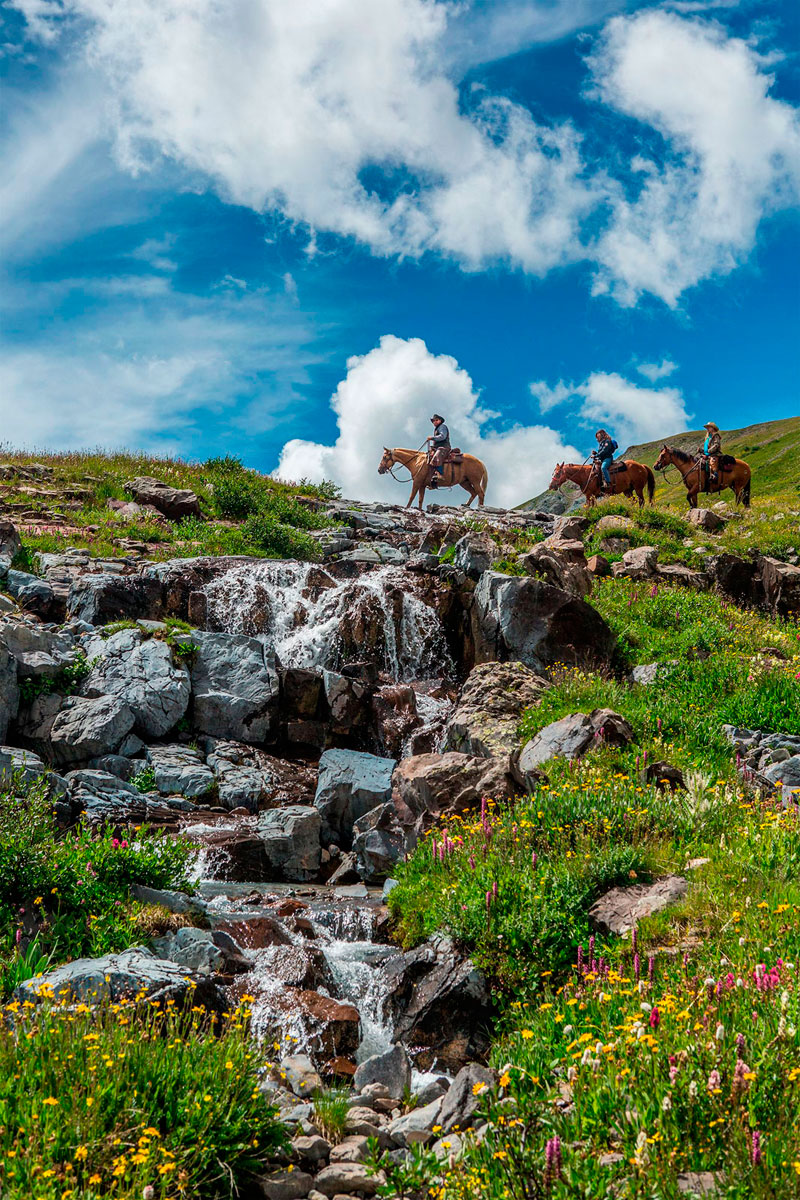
(663, 460)
(386, 462)
(558, 477)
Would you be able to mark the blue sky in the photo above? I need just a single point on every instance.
(290, 232)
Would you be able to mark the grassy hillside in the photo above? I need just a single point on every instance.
(60, 500)
(772, 449)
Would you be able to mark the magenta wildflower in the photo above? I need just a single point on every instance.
(471, 861)
(552, 1161)
(655, 1018)
(755, 1148)
(636, 965)
(740, 1044)
(651, 967)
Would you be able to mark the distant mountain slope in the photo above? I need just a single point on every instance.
(772, 448)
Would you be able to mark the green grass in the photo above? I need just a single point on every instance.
(69, 896)
(243, 512)
(129, 1105)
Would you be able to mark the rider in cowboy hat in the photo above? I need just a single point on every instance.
(439, 448)
(711, 450)
(604, 455)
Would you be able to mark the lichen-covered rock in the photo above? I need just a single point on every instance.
(489, 708)
(143, 674)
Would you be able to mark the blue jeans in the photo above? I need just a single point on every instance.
(605, 467)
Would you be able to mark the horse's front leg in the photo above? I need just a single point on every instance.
(414, 490)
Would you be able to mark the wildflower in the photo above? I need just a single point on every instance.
(720, 1033)
(81, 1153)
(693, 1090)
(655, 1019)
(714, 1080)
(755, 1148)
(552, 1161)
(527, 1034)
(666, 1103)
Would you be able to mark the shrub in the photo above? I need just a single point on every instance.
(64, 683)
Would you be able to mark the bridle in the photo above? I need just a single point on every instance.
(682, 478)
(396, 463)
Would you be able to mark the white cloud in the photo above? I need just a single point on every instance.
(388, 397)
(732, 153)
(631, 412)
(656, 371)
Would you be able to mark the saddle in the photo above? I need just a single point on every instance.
(726, 461)
(619, 465)
(455, 456)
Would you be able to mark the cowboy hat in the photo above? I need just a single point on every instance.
(436, 417)
(711, 425)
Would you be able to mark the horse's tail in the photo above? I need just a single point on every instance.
(651, 484)
(745, 493)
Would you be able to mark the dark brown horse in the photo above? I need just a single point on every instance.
(470, 473)
(732, 473)
(629, 477)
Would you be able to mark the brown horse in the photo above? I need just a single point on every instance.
(471, 474)
(733, 473)
(629, 478)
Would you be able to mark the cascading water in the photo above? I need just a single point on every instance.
(304, 624)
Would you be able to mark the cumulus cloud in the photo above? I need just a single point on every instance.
(732, 153)
(632, 413)
(388, 397)
(656, 371)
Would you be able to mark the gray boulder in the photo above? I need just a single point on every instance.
(72, 729)
(343, 1179)
(786, 772)
(180, 770)
(99, 599)
(291, 838)
(379, 842)
(24, 764)
(37, 651)
(235, 691)
(10, 543)
(204, 951)
(572, 736)
(622, 908)
(142, 674)
(537, 624)
(350, 784)
(31, 593)
(639, 563)
(174, 503)
(489, 709)
(115, 977)
(474, 554)
(391, 1069)
(241, 781)
(416, 1126)
(561, 563)
(706, 519)
(467, 1094)
(105, 799)
(9, 690)
(431, 784)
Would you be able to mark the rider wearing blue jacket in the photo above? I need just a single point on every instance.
(604, 454)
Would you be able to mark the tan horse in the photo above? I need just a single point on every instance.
(471, 474)
(633, 477)
(732, 473)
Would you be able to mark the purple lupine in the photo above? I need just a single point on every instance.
(755, 1148)
(636, 966)
(654, 591)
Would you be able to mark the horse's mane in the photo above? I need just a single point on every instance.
(681, 455)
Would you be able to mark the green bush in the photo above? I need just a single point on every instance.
(128, 1104)
(64, 683)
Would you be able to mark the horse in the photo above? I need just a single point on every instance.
(470, 473)
(629, 477)
(732, 473)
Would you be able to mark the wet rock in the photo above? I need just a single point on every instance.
(301, 1075)
(180, 770)
(572, 736)
(344, 1178)
(622, 908)
(117, 977)
(331, 1029)
(235, 853)
(291, 838)
(346, 698)
(394, 716)
(142, 674)
(379, 842)
(391, 1069)
(639, 563)
(537, 624)
(467, 1094)
(431, 784)
(283, 1183)
(174, 503)
(203, 951)
(474, 553)
(416, 1127)
(254, 933)
(440, 1004)
(235, 691)
(350, 784)
(302, 966)
(9, 690)
(99, 599)
(66, 729)
(489, 708)
(706, 519)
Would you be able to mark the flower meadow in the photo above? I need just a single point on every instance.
(665, 1061)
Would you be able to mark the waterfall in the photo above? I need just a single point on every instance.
(306, 619)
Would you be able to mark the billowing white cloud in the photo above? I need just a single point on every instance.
(387, 399)
(632, 413)
(731, 153)
(655, 371)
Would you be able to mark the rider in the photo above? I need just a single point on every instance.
(439, 448)
(711, 450)
(604, 455)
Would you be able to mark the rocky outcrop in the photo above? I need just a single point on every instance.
(350, 784)
(142, 673)
(174, 503)
(291, 838)
(180, 770)
(73, 729)
(536, 624)
(100, 599)
(780, 585)
(489, 709)
(428, 785)
(623, 908)
(474, 553)
(9, 690)
(561, 563)
(572, 736)
(235, 692)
